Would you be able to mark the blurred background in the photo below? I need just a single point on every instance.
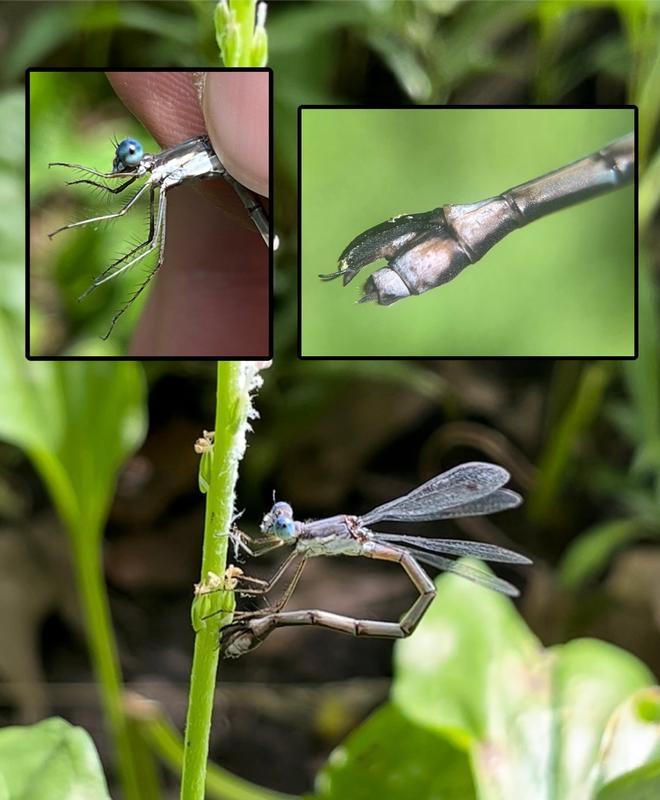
(581, 439)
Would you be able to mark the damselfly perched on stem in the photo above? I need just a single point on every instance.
(467, 490)
(191, 160)
(429, 249)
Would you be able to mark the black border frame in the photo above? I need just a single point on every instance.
(265, 357)
(633, 357)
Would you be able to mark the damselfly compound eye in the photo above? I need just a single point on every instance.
(283, 527)
(128, 154)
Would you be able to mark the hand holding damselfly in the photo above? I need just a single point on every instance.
(192, 160)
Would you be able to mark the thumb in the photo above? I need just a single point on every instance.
(235, 105)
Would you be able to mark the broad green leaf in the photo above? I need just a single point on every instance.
(392, 758)
(53, 760)
(640, 784)
(631, 743)
(470, 644)
(531, 719)
(589, 680)
(77, 421)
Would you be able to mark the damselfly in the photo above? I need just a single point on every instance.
(189, 161)
(428, 249)
(467, 490)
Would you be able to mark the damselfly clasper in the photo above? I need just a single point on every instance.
(191, 160)
(429, 249)
(467, 490)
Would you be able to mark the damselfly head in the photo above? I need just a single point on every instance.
(128, 155)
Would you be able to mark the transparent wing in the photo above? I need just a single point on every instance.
(499, 500)
(473, 574)
(453, 547)
(461, 487)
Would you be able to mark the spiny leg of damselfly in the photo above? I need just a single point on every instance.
(110, 271)
(132, 177)
(112, 189)
(91, 171)
(114, 215)
(158, 237)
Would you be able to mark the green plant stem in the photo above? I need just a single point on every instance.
(220, 784)
(105, 660)
(200, 711)
(232, 402)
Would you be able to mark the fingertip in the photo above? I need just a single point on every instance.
(236, 110)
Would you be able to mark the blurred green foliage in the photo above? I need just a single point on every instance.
(562, 286)
(51, 759)
(480, 709)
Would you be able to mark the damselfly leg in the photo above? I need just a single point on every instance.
(103, 217)
(157, 240)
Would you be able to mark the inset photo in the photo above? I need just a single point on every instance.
(149, 232)
(459, 232)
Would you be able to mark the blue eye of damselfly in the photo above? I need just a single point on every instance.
(283, 527)
(128, 154)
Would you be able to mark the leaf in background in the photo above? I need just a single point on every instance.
(590, 552)
(392, 758)
(640, 784)
(77, 421)
(632, 742)
(532, 719)
(53, 760)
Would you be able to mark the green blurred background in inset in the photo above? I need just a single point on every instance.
(562, 286)
(74, 117)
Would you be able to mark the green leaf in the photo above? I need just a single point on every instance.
(592, 550)
(392, 758)
(52, 759)
(470, 642)
(630, 752)
(640, 784)
(77, 421)
(532, 719)
(590, 679)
